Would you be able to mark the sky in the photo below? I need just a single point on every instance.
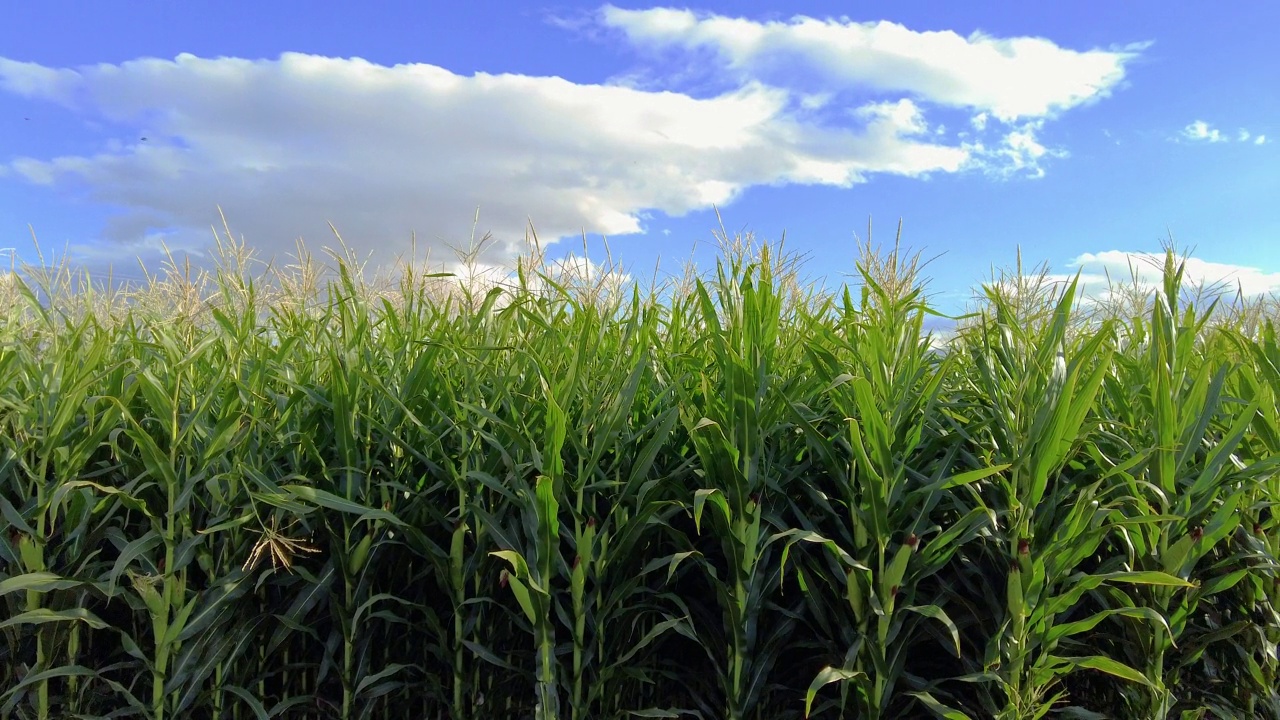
(1085, 135)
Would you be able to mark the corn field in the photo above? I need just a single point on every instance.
(733, 497)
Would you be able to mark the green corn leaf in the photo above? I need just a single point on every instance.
(66, 671)
(326, 499)
(826, 677)
(935, 612)
(255, 705)
(938, 708)
(717, 498)
(41, 616)
(36, 582)
(1109, 666)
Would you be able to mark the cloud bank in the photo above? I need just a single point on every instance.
(1145, 269)
(286, 145)
(381, 151)
(1010, 78)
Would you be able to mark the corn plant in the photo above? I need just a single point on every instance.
(54, 431)
(1036, 392)
(883, 382)
(1173, 452)
(732, 406)
(616, 508)
(1260, 379)
(308, 494)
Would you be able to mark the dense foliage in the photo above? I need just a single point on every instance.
(726, 498)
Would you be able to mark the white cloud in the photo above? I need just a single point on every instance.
(1010, 78)
(285, 145)
(1022, 151)
(1145, 268)
(1015, 82)
(33, 79)
(584, 275)
(1018, 152)
(1201, 130)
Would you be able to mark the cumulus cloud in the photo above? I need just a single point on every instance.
(1144, 269)
(1201, 131)
(586, 277)
(1018, 152)
(575, 274)
(285, 145)
(1009, 86)
(1010, 78)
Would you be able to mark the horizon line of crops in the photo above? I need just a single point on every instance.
(561, 496)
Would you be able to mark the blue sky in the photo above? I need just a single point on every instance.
(1083, 133)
